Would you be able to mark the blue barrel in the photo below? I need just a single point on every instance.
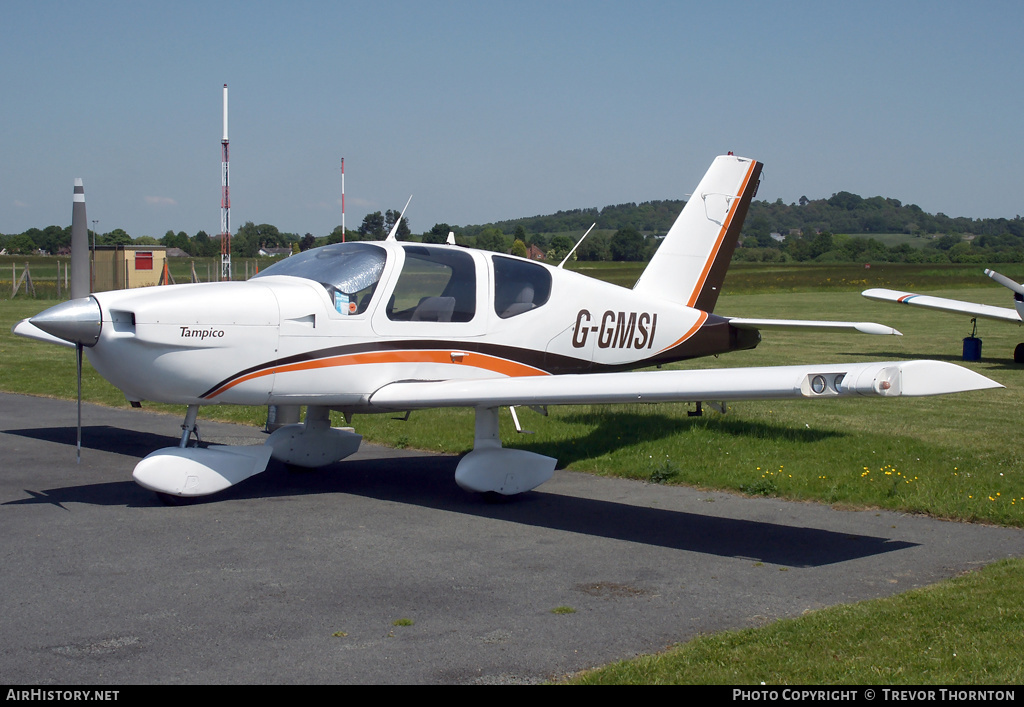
(972, 348)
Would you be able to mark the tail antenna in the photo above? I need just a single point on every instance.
(569, 254)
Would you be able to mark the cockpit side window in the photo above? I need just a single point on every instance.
(519, 286)
(348, 271)
(436, 285)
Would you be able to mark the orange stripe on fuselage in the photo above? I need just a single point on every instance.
(718, 242)
(494, 364)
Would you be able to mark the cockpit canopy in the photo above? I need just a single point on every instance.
(436, 283)
(349, 271)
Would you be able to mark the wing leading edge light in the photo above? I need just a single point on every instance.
(372, 327)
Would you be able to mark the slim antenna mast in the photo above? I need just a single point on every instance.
(569, 254)
(225, 200)
(342, 199)
(394, 229)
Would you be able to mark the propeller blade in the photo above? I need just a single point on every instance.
(80, 277)
(1005, 281)
(79, 348)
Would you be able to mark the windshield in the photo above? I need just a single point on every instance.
(349, 271)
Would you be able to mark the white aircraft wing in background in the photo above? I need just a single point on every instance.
(1003, 314)
(971, 309)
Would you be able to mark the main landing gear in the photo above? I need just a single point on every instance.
(491, 469)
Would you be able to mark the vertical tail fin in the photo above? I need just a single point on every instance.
(691, 262)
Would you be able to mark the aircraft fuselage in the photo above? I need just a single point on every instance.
(433, 313)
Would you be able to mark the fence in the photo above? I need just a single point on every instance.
(49, 277)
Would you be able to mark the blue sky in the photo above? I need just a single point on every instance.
(490, 110)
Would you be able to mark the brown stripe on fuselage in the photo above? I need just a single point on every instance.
(500, 366)
(710, 335)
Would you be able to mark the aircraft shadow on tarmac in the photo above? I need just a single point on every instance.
(427, 481)
(101, 438)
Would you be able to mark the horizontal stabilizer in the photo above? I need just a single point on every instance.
(942, 304)
(887, 379)
(804, 324)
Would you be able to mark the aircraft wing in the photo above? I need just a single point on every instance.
(802, 324)
(889, 379)
(1003, 314)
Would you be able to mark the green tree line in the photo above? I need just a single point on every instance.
(844, 227)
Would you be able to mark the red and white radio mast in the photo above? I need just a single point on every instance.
(225, 200)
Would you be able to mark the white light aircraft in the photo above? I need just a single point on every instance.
(942, 304)
(389, 326)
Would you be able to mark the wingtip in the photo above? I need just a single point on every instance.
(877, 329)
(927, 377)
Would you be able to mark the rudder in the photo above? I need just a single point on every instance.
(691, 262)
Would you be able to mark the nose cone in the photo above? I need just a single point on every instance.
(77, 321)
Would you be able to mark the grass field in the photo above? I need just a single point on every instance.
(955, 457)
(961, 632)
(895, 239)
(743, 278)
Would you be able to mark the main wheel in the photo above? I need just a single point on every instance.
(1018, 354)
